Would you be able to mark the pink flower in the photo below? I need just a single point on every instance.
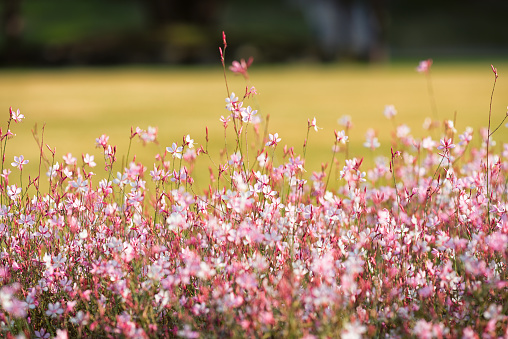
(189, 142)
(446, 144)
(341, 137)
(424, 66)
(345, 121)
(494, 70)
(61, 334)
(16, 115)
(232, 102)
(372, 141)
(248, 114)
(390, 111)
(69, 159)
(175, 151)
(313, 124)
(150, 135)
(241, 67)
(89, 160)
(353, 331)
(19, 162)
(54, 310)
(187, 332)
(274, 140)
(102, 141)
(13, 192)
(42, 334)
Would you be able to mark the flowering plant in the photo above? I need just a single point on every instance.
(415, 246)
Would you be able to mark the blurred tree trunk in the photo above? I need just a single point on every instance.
(183, 27)
(12, 24)
(164, 12)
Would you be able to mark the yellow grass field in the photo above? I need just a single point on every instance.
(79, 105)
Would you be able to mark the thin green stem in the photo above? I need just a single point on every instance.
(494, 131)
(488, 142)
(331, 164)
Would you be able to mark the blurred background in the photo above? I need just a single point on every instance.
(105, 32)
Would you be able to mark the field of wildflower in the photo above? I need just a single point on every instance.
(415, 245)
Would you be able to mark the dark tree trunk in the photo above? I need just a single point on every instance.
(164, 12)
(12, 29)
(12, 23)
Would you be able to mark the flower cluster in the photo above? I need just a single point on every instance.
(409, 247)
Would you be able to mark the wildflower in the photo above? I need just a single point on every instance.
(16, 115)
(149, 135)
(42, 334)
(247, 114)
(31, 302)
(61, 334)
(54, 310)
(121, 179)
(236, 159)
(188, 333)
(446, 144)
(232, 102)
(262, 159)
(13, 192)
(372, 141)
(494, 70)
(102, 141)
(241, 67)
(252, 91)
(19, 162)
(224, 120)
(80, 319)
(313, 124)
(428, 143)
(175, 151)
(341, 137)
(466, 137)
(403, 131)
(390, 111)
(274, 139)
(156, 173)
(80, 184)
(89, 160)
(353, 331)
(424, 66)
(345, 121)
(69, 159)
(450, 126)
(189, 142)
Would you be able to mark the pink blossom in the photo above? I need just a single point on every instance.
(424, 66)
(41, 333)
(175, 151)
(274, 139)
(241, 67)
(16, 115)
(390, 111)
(19, 162)
(61, 334)
(313, 124)
(89, 160)
(54, 309)
(13, 192)
(187, 332)
(69, 159)
(102, 141)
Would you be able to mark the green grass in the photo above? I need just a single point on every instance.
(78, 105)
